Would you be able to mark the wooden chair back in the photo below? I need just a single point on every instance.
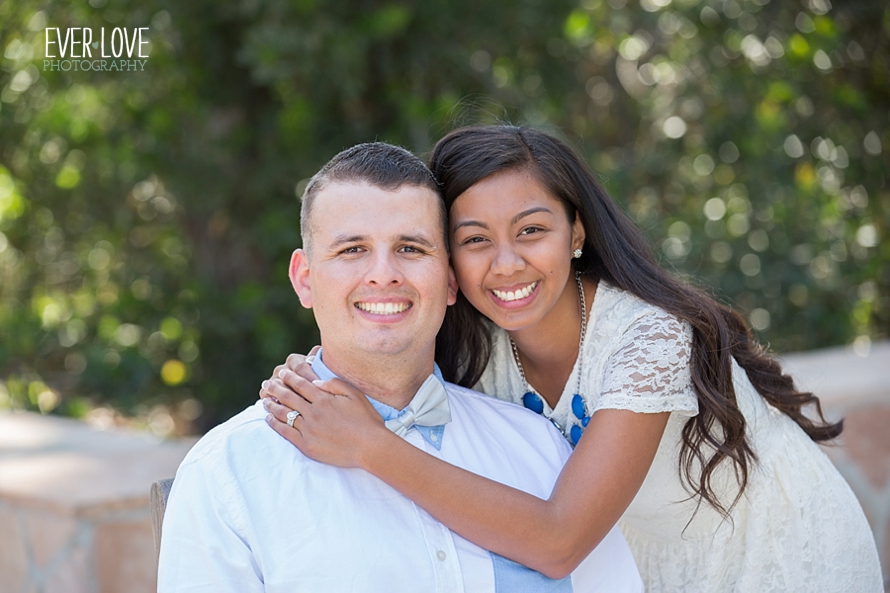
(160, 490)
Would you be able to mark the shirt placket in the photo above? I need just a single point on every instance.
(438, 538)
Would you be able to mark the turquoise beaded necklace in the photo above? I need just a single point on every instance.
(535, 403)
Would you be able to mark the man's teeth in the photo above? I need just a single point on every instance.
(515, 295)
(383, 308)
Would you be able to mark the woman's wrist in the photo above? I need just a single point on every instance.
(377, 449)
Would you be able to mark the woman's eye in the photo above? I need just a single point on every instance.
(472, 240)
(530, 230)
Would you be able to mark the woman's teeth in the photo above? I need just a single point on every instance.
(383, 308)
(515, 295)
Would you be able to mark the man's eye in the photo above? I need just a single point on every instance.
(350, 250)
(410, 249)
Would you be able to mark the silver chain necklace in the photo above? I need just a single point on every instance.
(533, 401)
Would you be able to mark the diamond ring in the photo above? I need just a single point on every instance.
(291, 416)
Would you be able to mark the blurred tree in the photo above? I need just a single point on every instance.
(146, 218)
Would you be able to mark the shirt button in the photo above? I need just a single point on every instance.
(440, 555)
(434, 437)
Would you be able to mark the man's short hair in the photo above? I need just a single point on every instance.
(379, 164)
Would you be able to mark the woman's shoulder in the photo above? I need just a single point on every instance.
(618, 315)
(500, 379)
(639, 357)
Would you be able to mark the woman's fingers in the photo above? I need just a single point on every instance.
(338, 387)
(295, 360)
(280, 412)
(264, 386)
(301, 365)
(275, 390)
(337, 427)
(290, 433)
(292, 393)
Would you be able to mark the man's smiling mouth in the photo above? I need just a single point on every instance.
(383, 308)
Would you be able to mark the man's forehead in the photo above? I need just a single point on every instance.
(366, 193)
(352, 209)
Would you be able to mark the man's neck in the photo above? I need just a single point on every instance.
(392, 380)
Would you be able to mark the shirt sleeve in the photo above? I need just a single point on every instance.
(650, 370)
(204, 546)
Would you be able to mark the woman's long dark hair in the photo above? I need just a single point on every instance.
(615, 250)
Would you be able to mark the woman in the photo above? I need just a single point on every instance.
(693, 438)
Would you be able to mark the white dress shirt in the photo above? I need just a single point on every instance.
(248, 512)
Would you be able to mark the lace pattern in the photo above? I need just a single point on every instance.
(649, 371)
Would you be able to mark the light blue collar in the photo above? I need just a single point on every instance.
(432, 434)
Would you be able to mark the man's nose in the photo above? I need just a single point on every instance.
(507, 261)
(384, 270)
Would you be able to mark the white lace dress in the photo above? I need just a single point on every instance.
(798, 526)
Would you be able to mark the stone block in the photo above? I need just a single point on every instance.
(49, 535)
(867, 442)
(124, 557)
(13, 555)
(72, 574)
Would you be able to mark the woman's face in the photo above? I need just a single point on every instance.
(512, 246)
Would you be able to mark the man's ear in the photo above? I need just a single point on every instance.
(299, 277)
(452, 286)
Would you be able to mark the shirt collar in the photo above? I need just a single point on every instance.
(431, 434)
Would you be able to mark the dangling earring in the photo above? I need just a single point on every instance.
(576, 254)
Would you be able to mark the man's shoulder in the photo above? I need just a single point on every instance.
(245, 434)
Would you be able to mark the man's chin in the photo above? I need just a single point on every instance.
(385, 346)
(393, 343)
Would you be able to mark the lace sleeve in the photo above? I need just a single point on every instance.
(649, 371)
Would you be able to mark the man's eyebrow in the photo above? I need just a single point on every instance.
(343, 239)
(420, 239)
(346, 239)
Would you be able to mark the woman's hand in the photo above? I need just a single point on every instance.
(302, 365)
(337, 424)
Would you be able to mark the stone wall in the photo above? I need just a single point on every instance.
(74, 506)
(74, 512)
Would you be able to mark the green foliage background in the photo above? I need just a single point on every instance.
(146, 218)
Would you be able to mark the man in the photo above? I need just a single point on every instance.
(249, 512)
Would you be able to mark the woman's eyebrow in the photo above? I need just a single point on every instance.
(529, 212)
(514, 220)
(464, 223)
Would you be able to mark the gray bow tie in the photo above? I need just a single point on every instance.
(429, 407)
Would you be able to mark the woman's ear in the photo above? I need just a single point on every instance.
(578, 233)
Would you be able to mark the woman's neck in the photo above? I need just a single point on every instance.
(549, 348)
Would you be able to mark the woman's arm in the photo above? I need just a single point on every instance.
(553, 536)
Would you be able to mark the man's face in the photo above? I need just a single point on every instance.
(378, 279)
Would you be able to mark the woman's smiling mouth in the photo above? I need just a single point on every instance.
(515, 295)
